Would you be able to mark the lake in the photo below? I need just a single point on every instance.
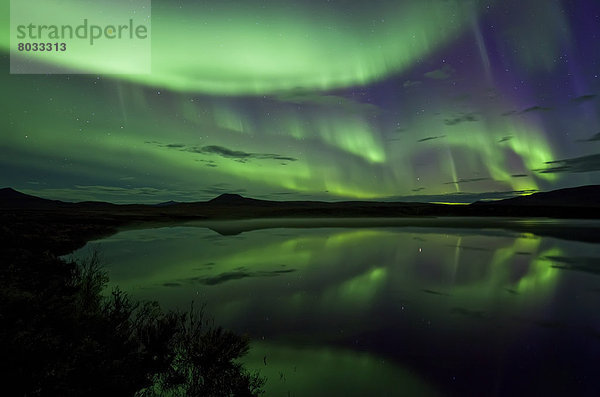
(385, 307)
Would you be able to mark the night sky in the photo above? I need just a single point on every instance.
(425, 100)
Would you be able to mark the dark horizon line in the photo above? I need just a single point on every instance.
(235, 196)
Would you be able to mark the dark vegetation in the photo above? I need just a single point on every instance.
(60, 335)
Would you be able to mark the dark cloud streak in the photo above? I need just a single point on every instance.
(461, 118)
(238, 274)
(584, 98)
(222, 151)
(574, 165)
(536, 108)
(430, 138)
(593, 138)
(468, 180)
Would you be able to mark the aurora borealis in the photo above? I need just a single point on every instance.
(403, 309)
(437, 100)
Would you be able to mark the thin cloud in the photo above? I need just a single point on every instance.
(468, 180)
(224, 152)
(238, 274)
(440, 74)
(536, 109)
(584, 98)
(582, 264)
(593, 138)
(300, 96)
(208, 163)
(573, 165)
(429, 138)
(461, 118)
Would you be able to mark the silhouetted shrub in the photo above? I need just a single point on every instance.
(60, 336)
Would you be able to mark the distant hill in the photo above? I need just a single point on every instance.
(582, 196)
(229, 198)
(64, 226)
(236, 199)
(12, 198)
(579, 202)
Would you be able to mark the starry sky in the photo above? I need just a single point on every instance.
(417, 100)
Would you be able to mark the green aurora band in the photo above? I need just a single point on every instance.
(337, 150)
(263, 89)
(217, 48)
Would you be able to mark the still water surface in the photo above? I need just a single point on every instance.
(376, 310)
